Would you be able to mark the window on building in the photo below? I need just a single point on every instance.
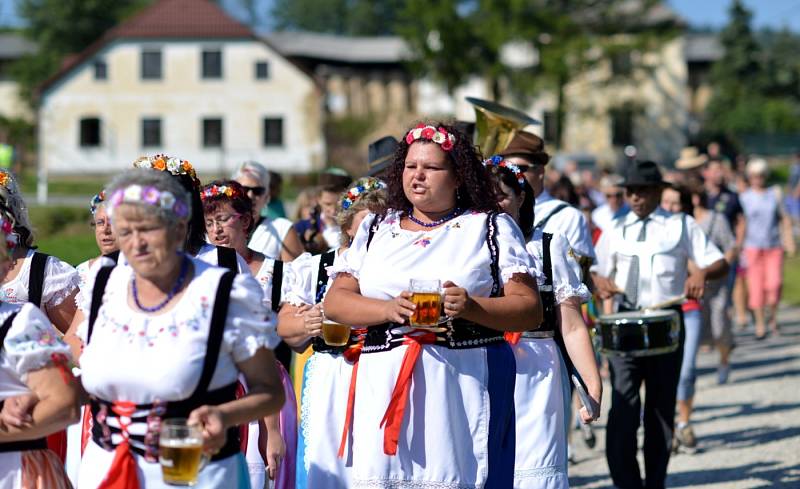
(262, 70)
(212, 133)
(212, 64)
(273, 131)
(90, 132)
(550, 127)
(100, 70)
(621, 127)
(151, 132)
(621, 63)
(151, 64)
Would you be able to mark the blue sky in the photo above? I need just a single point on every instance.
(713, 13)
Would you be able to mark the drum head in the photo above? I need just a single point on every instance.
(636, 316)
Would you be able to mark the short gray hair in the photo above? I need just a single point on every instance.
(161, 181)
(253, 170)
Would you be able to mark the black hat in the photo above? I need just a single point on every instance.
(380, 154)
(643, 174)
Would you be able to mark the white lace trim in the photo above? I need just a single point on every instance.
(401, 483)
(60, 296)
(541, 472)
(333, 271)
(565, 291)
(508, 272)
(305, 396)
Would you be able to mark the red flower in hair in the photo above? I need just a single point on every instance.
(428, 132)
(409, 138)
(447, 145)
(420, 125)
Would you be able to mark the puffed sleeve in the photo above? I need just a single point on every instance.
(60, 281)
(32, 343)
(566, 283)
(513, 257)
(249, 325)
(298, 280)
(351, 261)
(701, 250)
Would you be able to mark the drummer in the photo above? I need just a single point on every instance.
(642, 261)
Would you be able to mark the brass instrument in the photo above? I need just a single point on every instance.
(496, 125)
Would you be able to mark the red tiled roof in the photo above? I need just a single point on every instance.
(164, 19)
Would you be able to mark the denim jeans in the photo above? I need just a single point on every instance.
(693, 326)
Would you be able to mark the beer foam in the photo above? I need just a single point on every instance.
(181, 442)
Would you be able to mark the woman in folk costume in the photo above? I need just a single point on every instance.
(328, 373)
(542, 391)
(433, 407)
(167, 337)
(33, 359)
(272, 441)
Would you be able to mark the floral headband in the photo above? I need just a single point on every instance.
(97, 200)
(220, 190)
(161, 162)
(362, 185)
(439, 136)
(12, 238)
(500, 162)
(136, 194)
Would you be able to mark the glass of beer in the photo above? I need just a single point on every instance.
(180, 452)
(335, 334)
(427, 296)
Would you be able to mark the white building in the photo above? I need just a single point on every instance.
(182, 78)
(12, 48)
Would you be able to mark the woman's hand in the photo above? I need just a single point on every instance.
(586, 418)
(312, 319)
(456, 300)
(399, 309)
(211, 422)
(276, 451)
(17, 411)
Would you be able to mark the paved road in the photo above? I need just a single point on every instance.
(748, 430)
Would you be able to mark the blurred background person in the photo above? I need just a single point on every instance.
(274, 208)
(614, 206)
(274, 238)
(321, 232)
(767, 236)
(306, 204)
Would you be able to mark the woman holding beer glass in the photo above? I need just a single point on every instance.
(228, 224)
(542, 393)
(433, 401)
(33, 359)
(166, 338)
(328, 373)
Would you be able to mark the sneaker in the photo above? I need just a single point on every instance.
(722, 374)
(685, 436)
(570, 454)
(588, 435)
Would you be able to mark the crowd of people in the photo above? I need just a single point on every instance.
(204, 346)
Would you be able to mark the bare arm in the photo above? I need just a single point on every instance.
(345, 304)
(787, 234)
(297, 325)
(275, 448)
(62, 314)
(57, 405)
(71, 336)
(580, 350)
(292, 247)
(517, 309)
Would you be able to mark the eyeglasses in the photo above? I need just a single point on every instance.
(257, 191)
(222, 221)
(100, 223)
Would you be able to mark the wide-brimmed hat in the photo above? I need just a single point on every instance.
(526, 145)
(690, 158)
(380, 154)
(644, 174)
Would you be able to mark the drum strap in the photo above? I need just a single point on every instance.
(36, 278)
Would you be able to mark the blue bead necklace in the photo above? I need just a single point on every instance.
(452, 215)
(170, 295)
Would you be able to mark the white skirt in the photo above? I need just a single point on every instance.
(228, 473)
(452, 436)
(326, 384)
(541, 404)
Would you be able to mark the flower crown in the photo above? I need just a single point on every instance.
(12, 238)
(439, 136)
(501, 162)
(97, 200)
(220, 190)
(161, 162)
(363, 185)
(136, 194)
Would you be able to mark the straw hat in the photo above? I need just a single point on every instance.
(690, 158)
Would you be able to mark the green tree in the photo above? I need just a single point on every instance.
(61, 28)
(351, 17)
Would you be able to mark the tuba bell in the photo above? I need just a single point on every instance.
(496, 125)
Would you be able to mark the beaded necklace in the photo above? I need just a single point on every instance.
(170, 295)
(452, 215)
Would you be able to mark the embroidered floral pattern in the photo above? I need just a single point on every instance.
(423, 241)
(39, 337)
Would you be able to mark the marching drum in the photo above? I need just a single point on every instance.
(638, 333)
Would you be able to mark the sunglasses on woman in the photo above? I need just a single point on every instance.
(257, 191)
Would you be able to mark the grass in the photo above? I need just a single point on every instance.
(791, 281)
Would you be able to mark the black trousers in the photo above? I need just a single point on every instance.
(660, 374)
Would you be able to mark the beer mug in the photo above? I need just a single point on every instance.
(427, 296)
(180, 452)
(335, 334)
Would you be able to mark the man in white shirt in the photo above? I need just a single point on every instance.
(552, 216)
(644, 259)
